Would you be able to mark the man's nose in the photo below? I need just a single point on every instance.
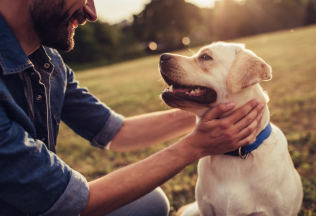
(90, 11)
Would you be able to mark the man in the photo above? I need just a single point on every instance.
(37, 90)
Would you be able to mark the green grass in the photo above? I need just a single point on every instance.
(132, 88)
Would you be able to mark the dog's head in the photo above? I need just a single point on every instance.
(218, 73)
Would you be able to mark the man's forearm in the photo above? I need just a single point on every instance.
(211, 136)
(150, 129)
(132, 182)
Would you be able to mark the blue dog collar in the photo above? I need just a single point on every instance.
(245, 150)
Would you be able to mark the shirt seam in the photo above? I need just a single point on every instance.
(16, 70)
(96, 142)
(2, 62)
(6, 99)
(113, 119)
(57, 70)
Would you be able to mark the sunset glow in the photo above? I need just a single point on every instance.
(119, 10)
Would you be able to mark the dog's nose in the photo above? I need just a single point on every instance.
(164, 57)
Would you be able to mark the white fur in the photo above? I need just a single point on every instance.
(266, 183)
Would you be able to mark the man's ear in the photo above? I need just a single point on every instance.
(247, 70)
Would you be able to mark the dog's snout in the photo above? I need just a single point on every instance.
(164, 57)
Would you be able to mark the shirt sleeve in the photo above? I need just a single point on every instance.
(87, 116)
(74, 199)
(35, 180)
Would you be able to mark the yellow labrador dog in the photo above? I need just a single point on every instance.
(258, 179)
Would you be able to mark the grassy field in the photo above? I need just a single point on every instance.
(133, 87)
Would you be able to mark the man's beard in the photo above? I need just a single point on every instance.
(50, 25)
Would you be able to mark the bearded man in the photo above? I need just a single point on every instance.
(38, 90)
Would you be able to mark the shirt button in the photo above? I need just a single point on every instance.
(46, 65)
(39, 97)
(33, 73)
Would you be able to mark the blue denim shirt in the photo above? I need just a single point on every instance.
(33, 180)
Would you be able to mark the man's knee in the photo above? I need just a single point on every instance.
(159, 203)
(155, 203)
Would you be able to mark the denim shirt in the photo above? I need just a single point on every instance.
(33, 180)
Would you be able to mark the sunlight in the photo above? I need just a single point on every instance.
(118, 10)
(203, 3)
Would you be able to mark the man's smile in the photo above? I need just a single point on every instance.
(76, 20)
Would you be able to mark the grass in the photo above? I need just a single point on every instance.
(132, 88)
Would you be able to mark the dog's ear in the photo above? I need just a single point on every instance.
(247, 70)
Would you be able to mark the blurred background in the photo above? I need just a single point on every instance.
(131, 29)
(117, 59)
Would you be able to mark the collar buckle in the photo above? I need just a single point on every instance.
(244, 157)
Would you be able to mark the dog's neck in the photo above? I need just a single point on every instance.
(254, 92)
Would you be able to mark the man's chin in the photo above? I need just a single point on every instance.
(62, 48)
(68, 47)
(63, 44)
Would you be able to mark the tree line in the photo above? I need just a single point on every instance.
(166, 25)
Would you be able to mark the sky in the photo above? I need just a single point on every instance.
(114, 11)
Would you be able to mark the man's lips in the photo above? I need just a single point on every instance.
(74, 23)
(77, 19)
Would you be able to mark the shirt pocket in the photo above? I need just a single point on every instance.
(56, 123)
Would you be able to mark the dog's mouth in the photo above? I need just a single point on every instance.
(196, 94)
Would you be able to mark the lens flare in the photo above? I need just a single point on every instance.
(186, 41)
(152, 45)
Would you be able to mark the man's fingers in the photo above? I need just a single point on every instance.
(218, 111)
(241, 112)
(247, 139)
(247, 120)
(246, 135)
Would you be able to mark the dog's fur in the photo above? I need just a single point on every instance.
(266, 183)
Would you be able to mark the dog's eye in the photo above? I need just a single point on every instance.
(206, 57)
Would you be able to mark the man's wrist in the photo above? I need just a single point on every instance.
(184, 114)
(189, 150)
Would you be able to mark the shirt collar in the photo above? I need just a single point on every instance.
(12, 57)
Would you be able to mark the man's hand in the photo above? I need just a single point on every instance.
(214, 136)
(211, 136)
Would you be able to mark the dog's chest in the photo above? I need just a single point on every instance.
(227, 188)
(231, 186)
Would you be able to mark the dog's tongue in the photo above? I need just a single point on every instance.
(182, 90)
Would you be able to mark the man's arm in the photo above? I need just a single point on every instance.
(32, 178)
(211, 136)
(150, 129)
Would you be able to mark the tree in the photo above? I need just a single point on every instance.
(101, 42)
(166, 22)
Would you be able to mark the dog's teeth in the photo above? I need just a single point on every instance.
(192, 92)
(198, 90)
(187, 93)
(171, 88)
